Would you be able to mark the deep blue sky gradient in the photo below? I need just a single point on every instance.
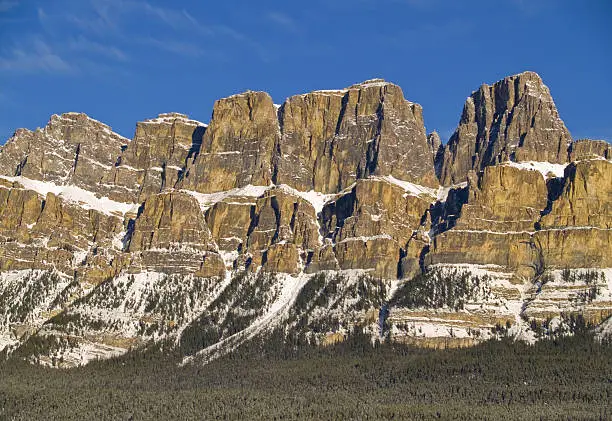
(124, 61)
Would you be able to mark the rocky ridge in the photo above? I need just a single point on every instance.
(309, 215)
(515, 119)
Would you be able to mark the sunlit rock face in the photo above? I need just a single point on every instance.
(157, 156)
(238, 145)
(71, 149)
(514, 119)
(332, 138)
(589, 149)
(311, 215)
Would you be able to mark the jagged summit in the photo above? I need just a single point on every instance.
(515, 119)
(330, 139)
(377, 82)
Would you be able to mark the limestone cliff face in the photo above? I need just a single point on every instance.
(504, 199)
(283, 230)
(156, 158)
(576, 229)
(574, 248)
(170, 235)
(332, 193)
(238, 145)
(332, 138)
(516, 219)
(375, 227)
(589, 149)
(74, 149)
(229, 220)
(71, 149)
(275, 231)
(514, 119)
(586, 199)
(524, 220)
(437, 151)
(495, 225)
(48, 232)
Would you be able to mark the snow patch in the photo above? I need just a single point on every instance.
(172, 117)
(544, 168)
(74, 194)
(604, 330)
(315, 198)
(443, 191)
(410, 188)
(206, 200)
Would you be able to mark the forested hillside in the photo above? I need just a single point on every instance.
(564, 379)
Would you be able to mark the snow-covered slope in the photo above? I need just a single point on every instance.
(123, 313)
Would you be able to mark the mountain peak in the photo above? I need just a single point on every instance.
(515, 119)
(372, 82)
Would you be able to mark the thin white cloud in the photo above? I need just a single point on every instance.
(84, 45)
(177, 19)
(283, 20)
(106, 29)
(176, 47)
(109, 12)
(6, 5)
(228, 32)
(38, 56)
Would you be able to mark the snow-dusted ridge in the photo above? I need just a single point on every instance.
(105, 127)
(76, 195)
(171, 117)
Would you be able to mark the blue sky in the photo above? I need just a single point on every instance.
(124, 61)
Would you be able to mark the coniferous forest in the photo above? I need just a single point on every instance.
(568, 378)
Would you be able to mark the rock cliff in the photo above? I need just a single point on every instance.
(237, 146)
(157, 156)
(309, 215)
(332, 138)
(515, 119)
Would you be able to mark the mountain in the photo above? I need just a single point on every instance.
(514, 119)
(332, 211)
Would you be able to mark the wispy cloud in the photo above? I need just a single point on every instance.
(177, 19)
(6, 5)
(109, 13)
(283, 20)
(176, 47)
(35, 56)
(84, 45)
(224, 31)
(112, 31)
